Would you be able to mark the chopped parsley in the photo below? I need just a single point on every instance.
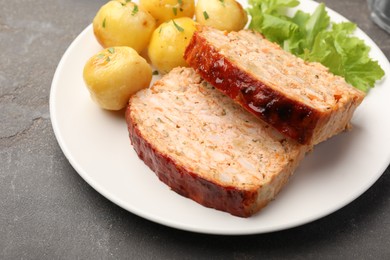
(180, 29)
(126, 2)
(155, 72)
(111, 50)
(174, 9)
(205, 15)
(135, 10)
(104, 23)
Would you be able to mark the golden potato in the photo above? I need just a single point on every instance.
(165, 10)
(114, 74)
(168, 42)
(221, 14)
(123, 23)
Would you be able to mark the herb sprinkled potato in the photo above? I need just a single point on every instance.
(123, 23)
(165, 10)
(169, 40)
(114, 74)
(221, 14)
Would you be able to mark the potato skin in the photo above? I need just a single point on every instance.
(168, 42)
(225, 15)
(114, 74)
(121, 23)
(165, 10)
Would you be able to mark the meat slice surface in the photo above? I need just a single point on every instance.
(300, 99)
(208, 148)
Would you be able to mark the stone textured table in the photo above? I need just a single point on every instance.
(47, 211)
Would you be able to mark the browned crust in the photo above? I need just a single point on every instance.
(242, 203)
(290, 117)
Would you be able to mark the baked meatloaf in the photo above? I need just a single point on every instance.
(206, 147)
(302, 100)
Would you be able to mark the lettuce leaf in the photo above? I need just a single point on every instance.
(314, 38)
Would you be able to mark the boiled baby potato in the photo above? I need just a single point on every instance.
(165, 10)
(168, 42)
(221, 14)
(114, 74)
(123, 23)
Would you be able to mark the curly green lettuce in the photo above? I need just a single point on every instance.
(314, 38)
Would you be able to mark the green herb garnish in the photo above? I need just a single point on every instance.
(126, 2)
(174, 9)
(104, 23)
(180, 29)
(155, 72)
(111, 50)
(135, 10)
(205, 15)
(313, 37)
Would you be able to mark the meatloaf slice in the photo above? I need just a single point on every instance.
(206, 147)
(302, 100)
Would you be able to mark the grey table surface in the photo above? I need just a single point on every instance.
(47, 211)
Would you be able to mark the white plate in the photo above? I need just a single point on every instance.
(97, 145)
